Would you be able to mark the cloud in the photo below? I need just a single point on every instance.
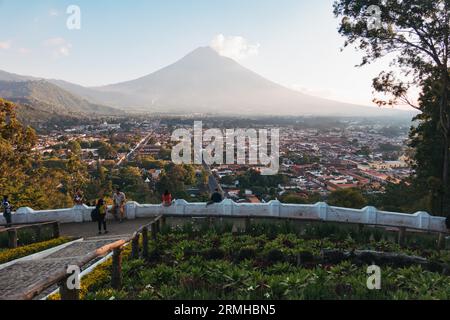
(53, 13)
(60, 47)
(5, 45)
(234, 47)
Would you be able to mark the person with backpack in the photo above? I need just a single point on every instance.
(99, 215)
(7, 211)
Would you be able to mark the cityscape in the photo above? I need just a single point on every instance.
(224, 159)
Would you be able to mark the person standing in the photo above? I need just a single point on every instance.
(119, 200)
(102, 209)
(7, 211)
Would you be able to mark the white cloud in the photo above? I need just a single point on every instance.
(60, 47)
(5, 45)
(234, 47)
(53, 13)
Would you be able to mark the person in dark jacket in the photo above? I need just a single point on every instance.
(102, 210)
(216, 197)
(7, 210)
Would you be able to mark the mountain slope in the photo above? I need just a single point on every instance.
(42, 96)
(93, 95)
(204, 81)
(201, 82)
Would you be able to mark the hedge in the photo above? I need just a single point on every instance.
(17, 253)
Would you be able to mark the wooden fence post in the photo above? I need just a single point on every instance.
(37, 232)
(248, 224)
(56, 233)
(12, 238)
(211, 222)
(116, 277)
(163, 222)
(154, 230)
(145, 242)
(66, 293)
(441, 241)
(401, 236)
(135, 247)
(360, 227)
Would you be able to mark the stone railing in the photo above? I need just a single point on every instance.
(274, 209)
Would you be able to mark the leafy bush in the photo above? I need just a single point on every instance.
(276, 261)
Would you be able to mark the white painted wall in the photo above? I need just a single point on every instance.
(319, 211)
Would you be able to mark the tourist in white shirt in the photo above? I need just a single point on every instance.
(119, 200)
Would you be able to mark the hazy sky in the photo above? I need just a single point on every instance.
(292, 42)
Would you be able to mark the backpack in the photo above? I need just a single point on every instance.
(7, 210)
(95, 214)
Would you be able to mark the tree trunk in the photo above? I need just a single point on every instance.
(445, 123)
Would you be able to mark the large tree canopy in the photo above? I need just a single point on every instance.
(415, 34)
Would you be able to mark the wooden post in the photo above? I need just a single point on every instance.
(12, 238)
(154, 231)
(360, 227)
(211, 222)
(248, 224)
(401, 236)
(441, 241)
(135, 247)
(37, 232)
(56, 233)
(66, 293)
(145, 242)
(116, 277)
(163, 222)
(234, 231)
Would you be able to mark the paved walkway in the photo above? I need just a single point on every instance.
(89, 229)
(17, 277)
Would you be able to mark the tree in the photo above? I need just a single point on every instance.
(347, 198)
(417, 33)
(424, 138)
(74, 147)
(106, 151)
(23, 175)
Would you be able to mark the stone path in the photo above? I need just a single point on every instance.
(15, 278)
